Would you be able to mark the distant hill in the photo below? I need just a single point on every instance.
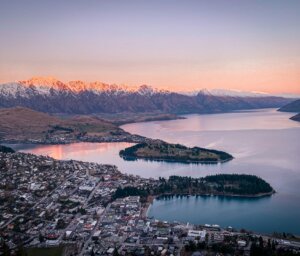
(76, 97)
(22, 123)
(293, 106)
(296, 117)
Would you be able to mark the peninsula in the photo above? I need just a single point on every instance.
(242, 185)
(296, 117)
(162, 151)
(24, 125)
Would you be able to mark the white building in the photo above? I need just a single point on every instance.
(197, 233)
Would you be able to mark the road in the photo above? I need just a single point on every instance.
(93, 231)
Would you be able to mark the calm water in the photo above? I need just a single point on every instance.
(265, 143)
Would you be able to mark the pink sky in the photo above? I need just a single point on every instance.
(243, 45)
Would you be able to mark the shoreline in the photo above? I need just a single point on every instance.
(129, 158)
(131, 138)
(150, 199)
(146, 206)
(161, 151)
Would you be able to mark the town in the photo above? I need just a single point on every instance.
(75, 206)
(71, 138)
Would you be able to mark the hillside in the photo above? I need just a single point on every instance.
(296, 117)
(23, 124)
(291, 107)
(76, 97)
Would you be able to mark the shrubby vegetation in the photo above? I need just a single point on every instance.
(61, 128)
(239, 184)
(129, 191)
(258, 248)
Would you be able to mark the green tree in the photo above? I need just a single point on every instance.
(116, 253)
(41, 238)
(5, 248)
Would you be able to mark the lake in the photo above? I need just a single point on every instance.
(263, 142)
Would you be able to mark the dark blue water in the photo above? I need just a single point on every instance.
(263, 215)
(265, 143)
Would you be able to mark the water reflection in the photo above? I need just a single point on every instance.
(264, 215)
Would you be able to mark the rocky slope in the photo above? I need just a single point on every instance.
(76, 97)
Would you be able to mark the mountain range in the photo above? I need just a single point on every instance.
(240, 93)
(51, 95)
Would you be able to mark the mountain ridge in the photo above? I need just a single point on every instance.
(48, 94)
(77, 86)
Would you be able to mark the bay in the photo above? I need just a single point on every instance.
(263, 142)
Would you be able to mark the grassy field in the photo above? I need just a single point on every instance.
(23, 123)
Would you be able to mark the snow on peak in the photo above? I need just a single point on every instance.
(77, 86)
(12, 90)
(204, 92)
(48, 85)
(45, 81)
(43, 85)
(237, 93)
(226, 92)
(145, 90)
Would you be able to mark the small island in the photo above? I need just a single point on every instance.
(242, 185)
(161, 151)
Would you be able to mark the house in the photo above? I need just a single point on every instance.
(193, 234)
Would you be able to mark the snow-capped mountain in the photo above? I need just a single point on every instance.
(229, 92)
(238, 93)
(13, 90)
(51, 95)
(48, 85)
